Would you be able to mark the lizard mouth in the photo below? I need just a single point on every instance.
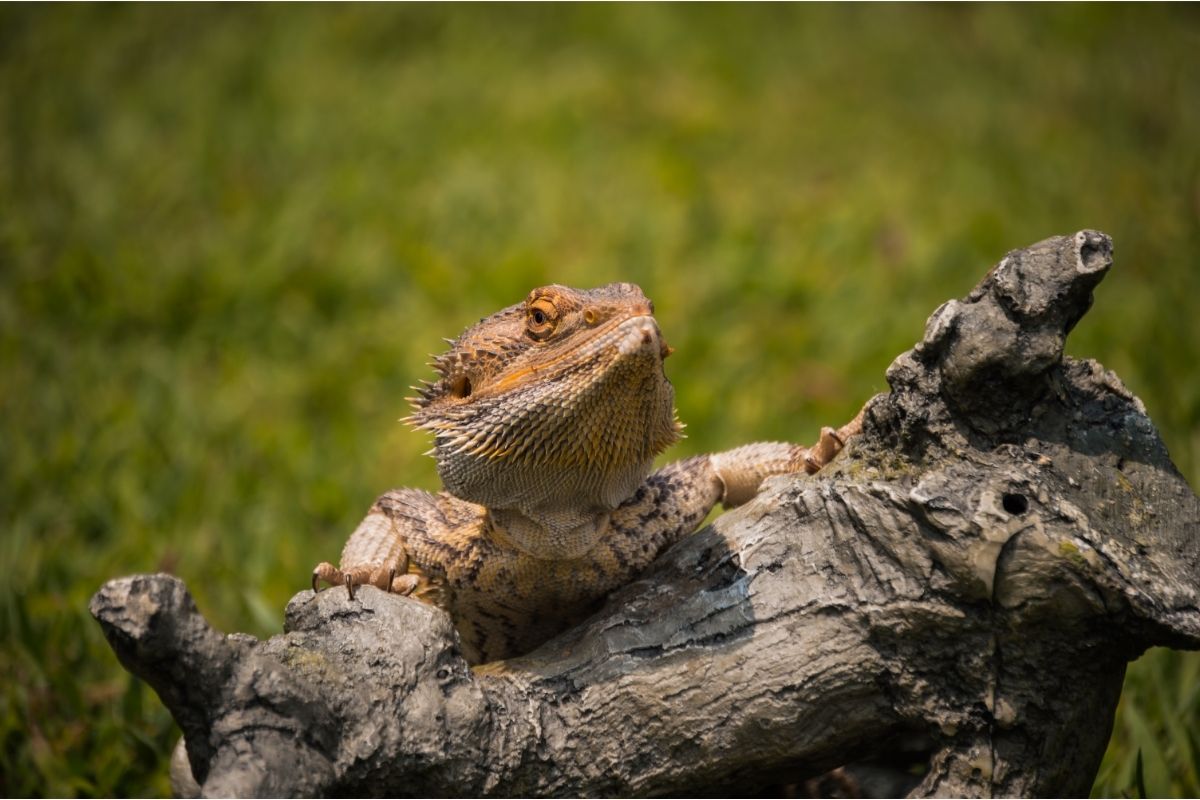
(631, 343)
(631, 339)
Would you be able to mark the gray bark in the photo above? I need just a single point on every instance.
(975, 570)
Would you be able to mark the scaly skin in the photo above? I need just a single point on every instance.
(546, 420)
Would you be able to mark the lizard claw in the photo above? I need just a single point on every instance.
(354, 577)
(404, 585)
(324, 572)
(820, 454)
(831, 443)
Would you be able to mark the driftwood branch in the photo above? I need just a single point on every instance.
(975, 570)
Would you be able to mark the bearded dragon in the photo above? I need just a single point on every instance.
(546, 418)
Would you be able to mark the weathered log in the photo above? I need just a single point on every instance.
(976, 569)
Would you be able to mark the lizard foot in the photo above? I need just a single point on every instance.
(379, 577)
(830, 444)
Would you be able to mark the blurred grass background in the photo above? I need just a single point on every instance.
(229, 237)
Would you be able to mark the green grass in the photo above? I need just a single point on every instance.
(229, 237)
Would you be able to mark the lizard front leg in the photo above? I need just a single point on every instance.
(377, 553)
(743, 469)
(674, 500)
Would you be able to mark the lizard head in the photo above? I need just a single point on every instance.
(557, 402)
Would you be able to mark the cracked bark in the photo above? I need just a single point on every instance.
(975, 570)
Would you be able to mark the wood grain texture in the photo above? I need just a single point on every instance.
(976, 569)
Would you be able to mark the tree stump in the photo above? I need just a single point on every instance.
(976, 569)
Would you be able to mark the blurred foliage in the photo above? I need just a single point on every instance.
(230, 236)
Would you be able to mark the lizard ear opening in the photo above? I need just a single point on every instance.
(460, 387)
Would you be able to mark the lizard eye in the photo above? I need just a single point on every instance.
(541, 317)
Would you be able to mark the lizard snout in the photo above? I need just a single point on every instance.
(641, 334)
